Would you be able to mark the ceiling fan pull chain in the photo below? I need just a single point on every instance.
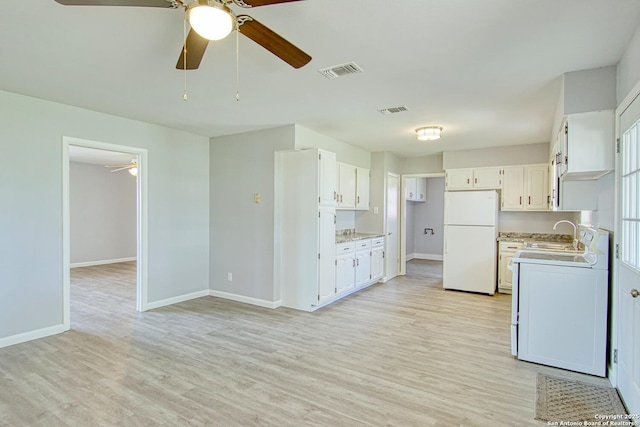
(237, 62)
(184, 56)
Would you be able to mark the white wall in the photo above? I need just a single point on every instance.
(31, 206)
(604, 217)
(243, 233)
(381, 164)
(536, 222)
(345, 153)
(102, 210)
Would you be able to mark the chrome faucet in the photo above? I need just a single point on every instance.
(575, 231)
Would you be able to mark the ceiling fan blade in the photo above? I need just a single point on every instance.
(256, 3)
(118, 166)
(195, 47)
(272, 42)
(140, 3)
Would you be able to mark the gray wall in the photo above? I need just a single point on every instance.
(628, 70)
(424, 164)
(102, 209)
(381, 164)
(536, 222)
(429, 215)
(498, 156)
(31, 206)
(243, 232)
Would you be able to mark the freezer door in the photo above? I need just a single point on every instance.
(471, 208)
(469, 261)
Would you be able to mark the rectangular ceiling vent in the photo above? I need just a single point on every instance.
(394, 110)
(340, 70)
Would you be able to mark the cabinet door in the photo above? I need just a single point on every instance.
(345, 273)
(327, 168)
(513, 188)
(421, 189)
(410, 188)
(362, 188)
(459, 179)
(377, 264)
(537, 188)
(363, 267)
(346, 186)
(326, 254)
(487, 178)
(505, 276)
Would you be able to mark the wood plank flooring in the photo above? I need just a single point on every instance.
(404, 353)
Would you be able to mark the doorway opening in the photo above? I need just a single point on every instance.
(422, 224)
(104, 225)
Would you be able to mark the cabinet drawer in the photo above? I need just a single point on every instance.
(510, 246)
(343, 248)
(363, 244)
(378, 241)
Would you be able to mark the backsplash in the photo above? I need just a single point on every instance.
(537, 222)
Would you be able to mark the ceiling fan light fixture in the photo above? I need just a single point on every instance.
(428, 133)
(211, 20)
(133, 171)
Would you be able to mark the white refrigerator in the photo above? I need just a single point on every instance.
(470, 241)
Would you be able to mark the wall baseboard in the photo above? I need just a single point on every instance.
(32, 335)
(101, 262)
(176, 300)
(245, 299)
(433, 257)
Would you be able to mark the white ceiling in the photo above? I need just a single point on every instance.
(488, 71)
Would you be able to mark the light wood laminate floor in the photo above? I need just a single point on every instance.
(404, 353)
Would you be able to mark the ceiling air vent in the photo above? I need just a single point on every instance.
(340, 70)
(394, 110)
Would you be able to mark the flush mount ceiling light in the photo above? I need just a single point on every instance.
(210, 19)
(428, 133)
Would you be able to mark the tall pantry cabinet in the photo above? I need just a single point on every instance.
(306, 206)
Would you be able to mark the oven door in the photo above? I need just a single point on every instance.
(515, 268)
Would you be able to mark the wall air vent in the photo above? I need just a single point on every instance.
(394, 110)
(340, 70)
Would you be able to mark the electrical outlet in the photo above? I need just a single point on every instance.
(230, 277)
(376, 210)
(257, 198)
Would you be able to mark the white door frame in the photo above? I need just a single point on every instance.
(386, 222)
(403, 216)
(141, 222)
(616, 293)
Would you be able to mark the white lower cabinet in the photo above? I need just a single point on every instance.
(359, 263)
(507, 250)
(345, 268)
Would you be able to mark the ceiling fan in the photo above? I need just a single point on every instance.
(214, 20)
(131, 167)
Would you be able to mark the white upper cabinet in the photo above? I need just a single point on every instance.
(487, 178)
(346, 186)
(587, 148)
(415, 189)
(537, 187)
(474, 179)
(525, 188)
(459, 179)
(362, 188)
(353, 187)
(513, 188)
(327, 178)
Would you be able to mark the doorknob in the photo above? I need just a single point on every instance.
(389, 234)
(635, 293)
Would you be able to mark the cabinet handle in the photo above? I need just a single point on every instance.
(529, 199)
(475, 180)
(341, 198)
(467, 180)
(335, 195)
(358, 199)
(354, 262)
(520, 199)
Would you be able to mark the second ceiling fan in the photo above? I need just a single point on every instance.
(214, 20)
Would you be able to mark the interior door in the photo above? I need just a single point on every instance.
(393, 226)
(628, 265)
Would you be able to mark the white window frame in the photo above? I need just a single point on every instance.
(630, 197)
